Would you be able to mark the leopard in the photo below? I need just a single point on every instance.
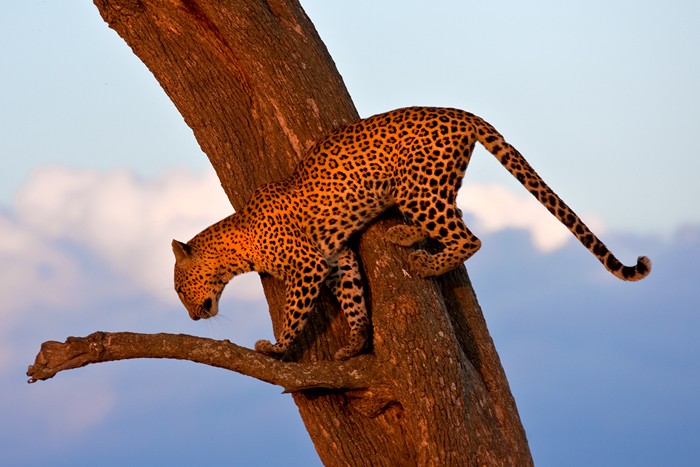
(297, 229)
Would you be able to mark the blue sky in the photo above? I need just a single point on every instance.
(602, 97)
(100, 172)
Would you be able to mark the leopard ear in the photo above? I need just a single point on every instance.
(181, 250)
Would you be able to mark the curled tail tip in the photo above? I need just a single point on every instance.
(643, 267)
(637, 272)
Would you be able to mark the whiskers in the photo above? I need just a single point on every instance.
(218, 321)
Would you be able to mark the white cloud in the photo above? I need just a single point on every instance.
(33, 271)
(33, 274)
(126, 221)
(496, 207)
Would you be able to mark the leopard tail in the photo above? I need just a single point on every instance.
(516, 164)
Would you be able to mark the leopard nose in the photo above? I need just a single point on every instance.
(195, 318)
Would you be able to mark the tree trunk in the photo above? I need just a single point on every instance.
(257, 86)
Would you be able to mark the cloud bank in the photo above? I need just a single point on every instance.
(125, 221)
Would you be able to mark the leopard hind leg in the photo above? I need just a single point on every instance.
(345, 282)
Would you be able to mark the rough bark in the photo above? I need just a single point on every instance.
(256, 85)
(100, 347)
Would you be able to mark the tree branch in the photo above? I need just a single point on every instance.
(99, 347)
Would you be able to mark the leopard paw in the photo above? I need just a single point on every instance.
(266, 347)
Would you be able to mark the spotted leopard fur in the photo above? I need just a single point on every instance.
(297, 229)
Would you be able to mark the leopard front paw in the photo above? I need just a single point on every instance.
(266, 347)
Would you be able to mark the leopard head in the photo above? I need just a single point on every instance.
(198, 283)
